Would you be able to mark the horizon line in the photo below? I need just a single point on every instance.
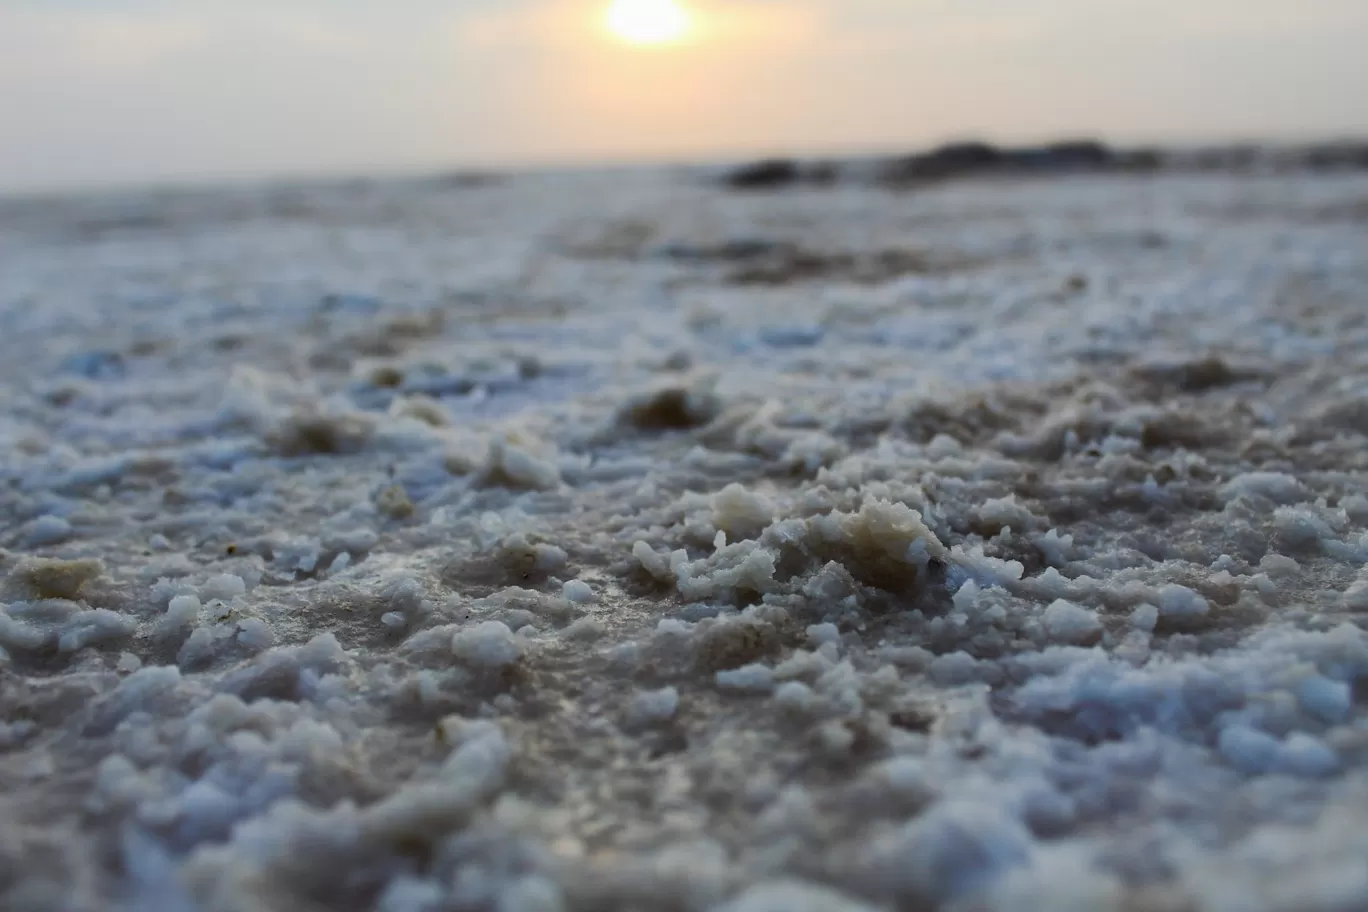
(222, 181)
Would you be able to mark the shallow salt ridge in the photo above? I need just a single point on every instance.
(591, 542)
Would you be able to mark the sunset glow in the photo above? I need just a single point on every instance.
(648, 22)
(113, 93)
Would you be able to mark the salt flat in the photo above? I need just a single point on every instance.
(620, 542)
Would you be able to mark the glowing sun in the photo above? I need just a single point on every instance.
(649, 22)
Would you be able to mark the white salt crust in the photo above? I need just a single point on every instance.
(610, 541)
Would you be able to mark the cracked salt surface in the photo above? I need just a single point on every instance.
(615, 542)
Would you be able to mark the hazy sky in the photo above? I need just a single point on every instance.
(116, 91)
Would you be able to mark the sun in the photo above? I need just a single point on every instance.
(649, 22)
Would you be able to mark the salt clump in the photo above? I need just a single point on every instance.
(489, 644)
(578, 591)
(1181, 602)
(1069, 623)
(652, 707)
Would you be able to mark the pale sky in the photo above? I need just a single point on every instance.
(137, 91)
